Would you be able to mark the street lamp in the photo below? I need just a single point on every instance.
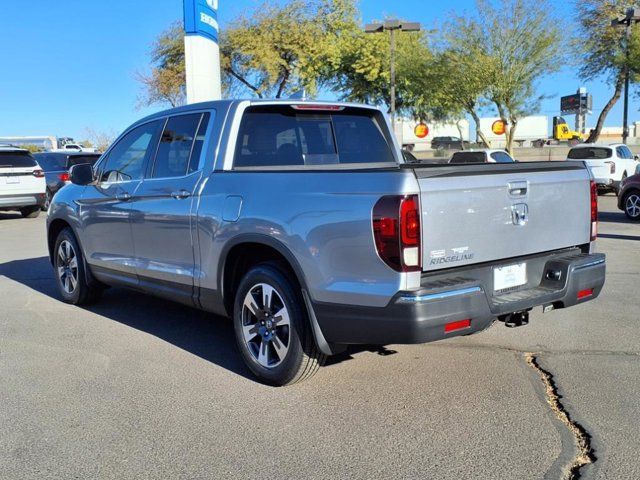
(631, 17)
(391, 26)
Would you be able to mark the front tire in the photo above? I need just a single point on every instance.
(71, 276)
(30, 212)
(632, 206)
(272, 328)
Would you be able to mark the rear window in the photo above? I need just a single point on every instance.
(16, 160)
(282, 136)
(80, 159)
(468, 157)
(52, 162)
(589, 153)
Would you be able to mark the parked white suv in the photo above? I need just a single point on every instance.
(609, 164)
(22, 182)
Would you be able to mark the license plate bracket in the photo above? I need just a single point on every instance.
(509, 276)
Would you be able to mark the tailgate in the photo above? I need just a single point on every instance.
(482, 213)
(600, 169)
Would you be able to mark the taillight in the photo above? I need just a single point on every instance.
(38, 173)
(396, 231)
(64, 177)
(612, 167)
(594, 210)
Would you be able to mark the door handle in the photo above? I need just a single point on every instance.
(517, 189)
(181, 194)
(123, 197)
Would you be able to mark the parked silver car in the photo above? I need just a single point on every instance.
(302, 222)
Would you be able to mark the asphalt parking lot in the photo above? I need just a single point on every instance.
(137, 387)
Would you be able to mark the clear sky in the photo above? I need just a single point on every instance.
(70, 64)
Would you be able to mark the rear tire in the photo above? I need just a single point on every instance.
(71, 276)
(48, 196)
(30, 212)
(272, 327)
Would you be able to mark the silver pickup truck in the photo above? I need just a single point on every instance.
(302, 222)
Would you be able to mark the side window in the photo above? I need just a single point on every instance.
(194, 162)
(501, 157)
(176, 144)
(624, 152)
(126, 159)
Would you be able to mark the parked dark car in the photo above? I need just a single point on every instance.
(56, 167)
(629, 197)
(448, 143)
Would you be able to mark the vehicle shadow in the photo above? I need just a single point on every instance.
(614, 217)
(9, 216)
(208, 336)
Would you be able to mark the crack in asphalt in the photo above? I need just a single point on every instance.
(585, 454)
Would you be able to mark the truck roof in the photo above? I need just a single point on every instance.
(226, 104)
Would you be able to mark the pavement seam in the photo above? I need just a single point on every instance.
(585, 454)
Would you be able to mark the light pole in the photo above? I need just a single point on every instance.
(391, 26)
(631, 17)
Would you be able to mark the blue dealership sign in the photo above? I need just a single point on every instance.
(201, 18)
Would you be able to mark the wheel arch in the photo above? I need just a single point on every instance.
(245, 251)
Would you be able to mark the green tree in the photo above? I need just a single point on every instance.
(603, 49)
(279, 49)
(515, 54)
(284, 48)
(166, 82)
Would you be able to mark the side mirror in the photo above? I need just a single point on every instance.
(81, 174)
(636, 157)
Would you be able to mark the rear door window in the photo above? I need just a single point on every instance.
(281, 136)
(180, 146)
(16, 160)
(589, 153)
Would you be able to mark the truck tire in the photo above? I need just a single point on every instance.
(272, 327)
(30, 212)
(70, 273)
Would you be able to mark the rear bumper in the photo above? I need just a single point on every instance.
(8, 202)
(421, 316)
(604, 182)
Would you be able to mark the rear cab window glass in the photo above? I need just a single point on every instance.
(16, 160)
(281, 136)
(589, 153)
(468, 157)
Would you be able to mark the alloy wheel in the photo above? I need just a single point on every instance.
(632, 205)
(266, 325)
(67, 266)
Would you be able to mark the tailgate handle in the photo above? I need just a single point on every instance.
(517, 189)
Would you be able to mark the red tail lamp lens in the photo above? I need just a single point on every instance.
(396, 231)
(594, 210)
(38, 173)
(64, 177)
